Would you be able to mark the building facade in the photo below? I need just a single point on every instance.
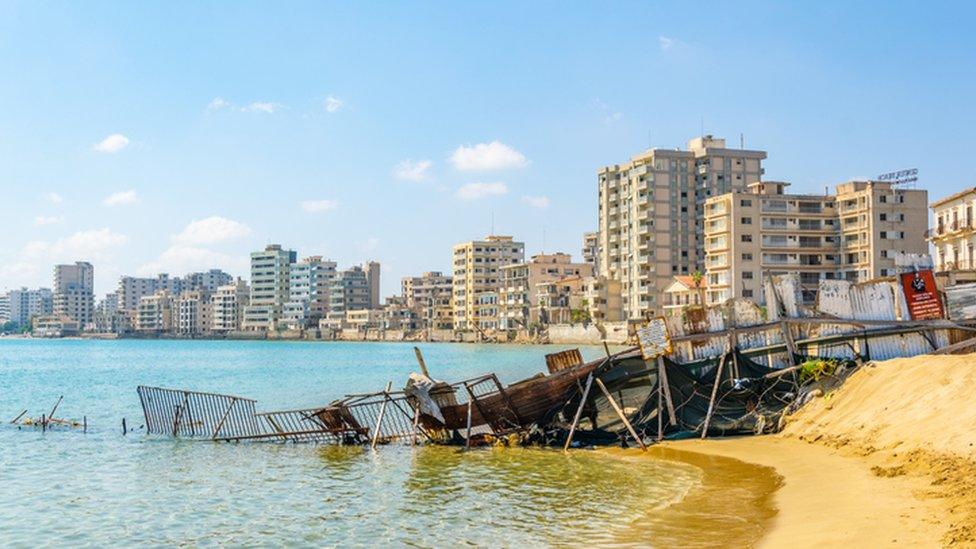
(591, 249)
(155, 314)
(227, 306)
(953, 236)
(23, 305)
(476, 271)
(270, 279)
(429, 296)
(853, 235)
(74, 292)
(517, 295)
(651, 213)
(310, 284)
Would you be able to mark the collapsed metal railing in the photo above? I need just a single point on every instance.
(381, 417)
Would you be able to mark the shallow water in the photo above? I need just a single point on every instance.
(103, 489)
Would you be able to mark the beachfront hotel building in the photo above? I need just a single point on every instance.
(310, 283)
(74, 292)
(953, 237)
(227, 306)
(270, 277)
(651, 214)
(852, 235)
(476, 271)
(429, 296)
(518, 297)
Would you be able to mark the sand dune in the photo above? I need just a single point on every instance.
(887, 459)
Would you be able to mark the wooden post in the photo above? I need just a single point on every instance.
(788, 337)
(467, 436)
(416, 421)
(420, 360)
(579, 412)
(124, 430)
(379, 419)
(606, 349)
(43, 423)
(14, 420)
(55, 409)
(662, 374)
(711, 401)
(84, 420)
(660, 411)
(620, 413)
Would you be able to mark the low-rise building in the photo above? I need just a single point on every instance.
(429, 295)
(604, 299)
(194, 313)
(561, 301)
(55, 326)
(684, 292)
(519, 282)
(953, 237)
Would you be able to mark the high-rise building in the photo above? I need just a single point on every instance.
(270, 278)
(372, 269)
(954, 235)
(429, 296)
(207, 281)
(517, 296)
(23, 305)
(4, 308)
(476, 271)
(74, 295)
(591, 249)
(310, 283)
(131, 289)
(194, 313)
(853, 235)
(651, 213)
(228, 304)
(156, 313)
(350, 291)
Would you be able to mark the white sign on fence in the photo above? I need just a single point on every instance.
(654, 339)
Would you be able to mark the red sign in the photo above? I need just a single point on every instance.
(921, 295)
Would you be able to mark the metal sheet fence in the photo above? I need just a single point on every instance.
(177, 412)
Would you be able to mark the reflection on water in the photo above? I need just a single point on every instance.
(102, 489)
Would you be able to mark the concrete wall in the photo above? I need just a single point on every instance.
(591, 334)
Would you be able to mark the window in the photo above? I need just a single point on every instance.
(746, 257)
(747, 293)
(883, 217)
(747, 238)
(747, 275)
(747, 221)
(745, 203)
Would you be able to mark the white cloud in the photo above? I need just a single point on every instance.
(180, 258)
(541, 202)
(111, 144)
(121, 198)
(21, 270)
(53, 198)
(332, 104)
(370, 245)
(609, 115)
(665, 42)
(263, 106)
(475, 191)
(487, 156)
(315, 206)
(217, 104)
(412, 171)
(211, 230)
(81, 246)
(42, 220)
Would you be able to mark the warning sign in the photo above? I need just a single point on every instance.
(921, 295)
(654, 339)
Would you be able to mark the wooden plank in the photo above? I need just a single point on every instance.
(662, 374)
(421, 362)
(220, 423)
(711, 400)
(620, 413)
(579, 412)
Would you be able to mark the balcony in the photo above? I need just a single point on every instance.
(716, 244)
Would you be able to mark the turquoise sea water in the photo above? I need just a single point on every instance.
(102, 489)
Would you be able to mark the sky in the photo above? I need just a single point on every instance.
(171, 137)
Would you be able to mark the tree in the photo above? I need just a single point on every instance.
(697, 278)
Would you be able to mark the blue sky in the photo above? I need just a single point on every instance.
(174, 136)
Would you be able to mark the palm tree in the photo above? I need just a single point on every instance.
(697, 277)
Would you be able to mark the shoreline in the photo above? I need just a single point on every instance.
(827, 498)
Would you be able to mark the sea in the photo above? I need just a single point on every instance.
(103, 488)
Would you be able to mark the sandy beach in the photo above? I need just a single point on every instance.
(885, 460)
